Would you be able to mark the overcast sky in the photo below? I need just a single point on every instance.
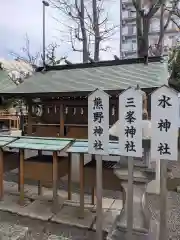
(18, 17)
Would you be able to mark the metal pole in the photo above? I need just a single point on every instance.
(45, 4)
(99, 213)
(120, 30)
(44, 37)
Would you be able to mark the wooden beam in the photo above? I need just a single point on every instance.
(55, 181)
(130, 199)
(21, 176)
(81, 180)
(163, 200)
(99, 212)
(29, 130)
(69, 175)
(61, 120)
(40, 192)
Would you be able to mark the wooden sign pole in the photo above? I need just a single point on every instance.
(130, 199)
(99, 213)
(163, 200)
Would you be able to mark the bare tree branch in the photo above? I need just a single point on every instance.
(144, 16)
(33, 59)
(27, 56)
(88, 24)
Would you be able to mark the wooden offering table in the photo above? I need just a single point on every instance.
(88, 172)
(8, 160)
(43, 168)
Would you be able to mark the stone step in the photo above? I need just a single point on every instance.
(13, 232)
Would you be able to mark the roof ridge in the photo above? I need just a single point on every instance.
(102, 63)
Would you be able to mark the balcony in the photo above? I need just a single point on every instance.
(127, 2)
(129, 19)
(129, 15)
(168, 31)
(129, 54)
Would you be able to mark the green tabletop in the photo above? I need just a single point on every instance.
(81, 146)
(4, 140)
(39, 143)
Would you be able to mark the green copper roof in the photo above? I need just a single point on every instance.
(5, 81)
(113, 76)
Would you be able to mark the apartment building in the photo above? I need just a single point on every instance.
(128, 44)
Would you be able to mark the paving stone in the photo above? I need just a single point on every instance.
(117, 204)
(76, 197)
(31, 192)
(106, 204)
(10, 187)
(55, 237)
(12, 232)
(108, 219)
(10, 203)
(70, 215)
(47, 194)
(75, 201)
(40, 210)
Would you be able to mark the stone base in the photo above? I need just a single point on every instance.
(70, 215)
(11, 204)
(108, 220)
(121, 233)
(153, 187)
(40, 210)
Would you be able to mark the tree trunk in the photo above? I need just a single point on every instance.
(138, 28)
(96, 31)
(84, 36)
(143, 46)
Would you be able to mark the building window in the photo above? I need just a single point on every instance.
(155, 25)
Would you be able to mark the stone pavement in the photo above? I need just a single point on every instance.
(13, 232)
(32, 229)
(41, 207)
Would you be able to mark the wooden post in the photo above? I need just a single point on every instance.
(61, 120)
(93, 190)
(21, 176)
(81, 171)
(10, 123)
(130, 199)
(1, 175)
(99, 212)
(39, 182)
(29, 123)
(93, 194)
(55, 181)
(69, 176)
(163, 200)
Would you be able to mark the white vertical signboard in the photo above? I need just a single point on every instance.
(98, 122)
(130, 119)
(164, 119)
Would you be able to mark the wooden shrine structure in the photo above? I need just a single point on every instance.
(57, 96)
(57, 100)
